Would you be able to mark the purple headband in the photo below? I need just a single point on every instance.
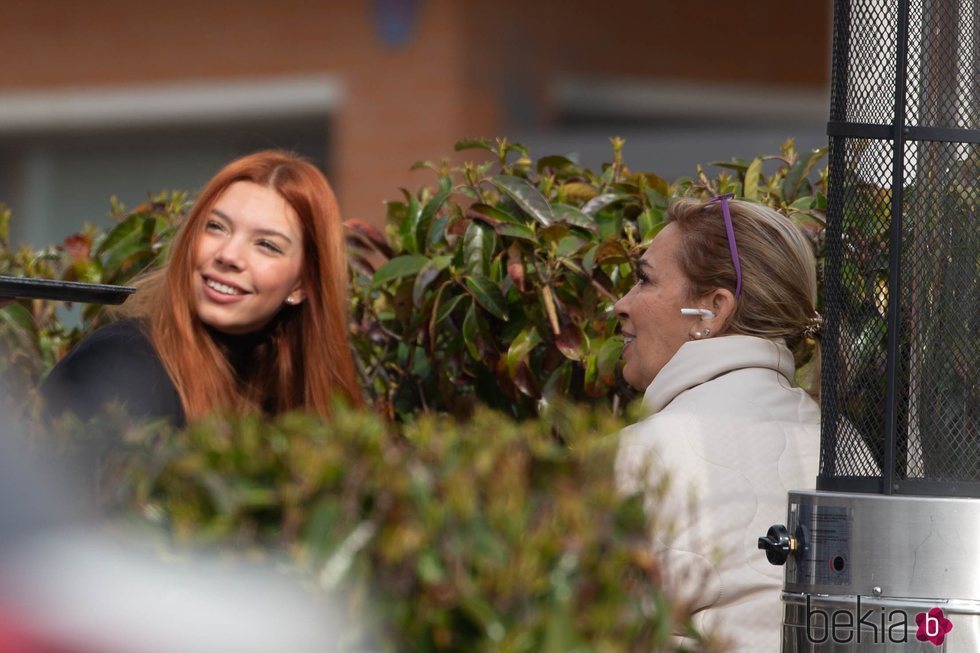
(731, 238)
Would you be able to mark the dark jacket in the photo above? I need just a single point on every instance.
(115, 364)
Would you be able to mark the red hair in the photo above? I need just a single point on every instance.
(307, 359)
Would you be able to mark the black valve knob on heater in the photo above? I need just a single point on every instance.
(778, 544)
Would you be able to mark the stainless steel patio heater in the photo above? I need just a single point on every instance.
(885, 555)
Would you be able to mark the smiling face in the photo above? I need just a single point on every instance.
(247, 259)
(650, 313)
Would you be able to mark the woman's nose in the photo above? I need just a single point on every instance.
(621, 307)
(229, 254)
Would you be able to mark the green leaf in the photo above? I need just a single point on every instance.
(588, 259)
(149, 227)
(868, 344)
(658, 184)
(527, 197)
(446, 307)
(19, 316)
(571, 341)
(579, 190)
(516, 231)
(521, 150)
(479, 243)
(474, 144)
(321, 531)
(650, 222)
(554, 233)
(600, 202)
(490, 214)
(591, 384)
(804, 203)
(471, 331)
(401, 266)
(482, 612)
(738, 165)
(428, 213)
(437, 231)
(409, 228)
(430, 568)
(809, 221)
(798, 172)
(126, 244)
(4, 226)
(607, 358)
(427, 274)
(821, 204)
(803, 377)
(573, 216)
(568, 245)
(488, 294)
(120, 234)
(521, 347)
(560, 633)
(560, 382)
(560, 164)
(750, 189)
(612, 251)
(525, 380)
(395, 213)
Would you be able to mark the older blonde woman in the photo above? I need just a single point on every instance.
(724, 293)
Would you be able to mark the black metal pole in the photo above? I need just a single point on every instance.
(892, 360)
(830, 420)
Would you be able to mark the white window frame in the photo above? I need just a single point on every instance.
(199, 102)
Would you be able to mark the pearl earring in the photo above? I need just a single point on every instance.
(702, 334)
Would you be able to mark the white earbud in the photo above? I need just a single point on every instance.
(703, 313)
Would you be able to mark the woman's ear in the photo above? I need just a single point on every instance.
(722, 303)
(295, 298)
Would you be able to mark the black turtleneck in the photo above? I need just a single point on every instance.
(240, 349)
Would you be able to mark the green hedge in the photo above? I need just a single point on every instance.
(497, 282)
(493, 285)
(490, 535)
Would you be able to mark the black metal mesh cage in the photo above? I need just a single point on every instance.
(901, 404)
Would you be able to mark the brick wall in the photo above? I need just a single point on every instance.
(471, 68)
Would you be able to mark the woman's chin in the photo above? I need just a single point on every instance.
(632, 379)
(221, 322)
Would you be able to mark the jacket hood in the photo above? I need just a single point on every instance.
(699, 361)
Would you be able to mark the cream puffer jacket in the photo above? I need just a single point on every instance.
(733, 436)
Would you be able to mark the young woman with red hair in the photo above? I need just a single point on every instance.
(248, 314)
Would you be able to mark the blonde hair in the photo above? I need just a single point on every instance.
(778, 298)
